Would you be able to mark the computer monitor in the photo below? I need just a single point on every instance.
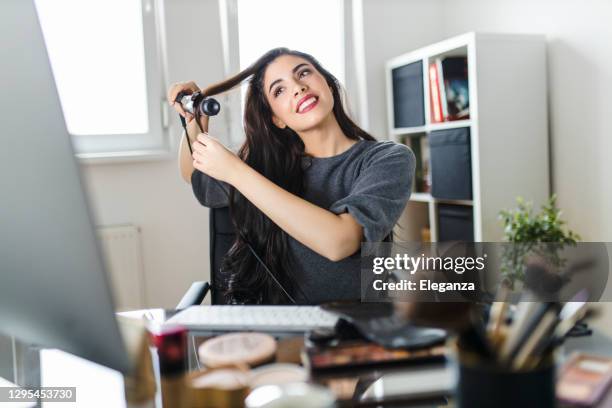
(54, 291)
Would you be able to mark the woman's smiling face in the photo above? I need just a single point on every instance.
(297, 93)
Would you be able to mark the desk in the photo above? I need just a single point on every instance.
(98, 386)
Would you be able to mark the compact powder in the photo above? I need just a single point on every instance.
(277, 374)
(223, 379)
(236, 349)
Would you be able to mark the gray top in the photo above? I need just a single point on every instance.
(371, 181)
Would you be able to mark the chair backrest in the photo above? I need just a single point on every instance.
(222, 235)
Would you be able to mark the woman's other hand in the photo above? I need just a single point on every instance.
(185, 87)
(215, 160)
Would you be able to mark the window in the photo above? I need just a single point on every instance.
(315, 27)
(106, 60)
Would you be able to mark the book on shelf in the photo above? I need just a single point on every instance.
(441, 86)
(408, 94)
(435, 98)
(449, 90)
(456, 87)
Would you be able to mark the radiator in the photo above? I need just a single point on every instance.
(123, 257)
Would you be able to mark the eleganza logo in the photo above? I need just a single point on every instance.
(469, 271)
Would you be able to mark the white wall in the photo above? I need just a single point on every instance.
(151, 194)
(391, 28)
(579, 83)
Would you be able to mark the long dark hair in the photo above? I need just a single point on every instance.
(278, 155)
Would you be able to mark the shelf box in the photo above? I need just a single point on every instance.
(455, 223)
(451, 164)
(407, 84)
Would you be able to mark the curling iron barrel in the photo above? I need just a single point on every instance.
(196, 102)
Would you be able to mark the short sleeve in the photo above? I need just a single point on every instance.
(381, 191)
(210, 192)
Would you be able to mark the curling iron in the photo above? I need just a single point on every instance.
(197, 104)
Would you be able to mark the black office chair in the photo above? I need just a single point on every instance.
(222, 235)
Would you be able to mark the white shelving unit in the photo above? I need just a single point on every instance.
(508, 128)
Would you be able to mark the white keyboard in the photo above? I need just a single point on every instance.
(257, 318)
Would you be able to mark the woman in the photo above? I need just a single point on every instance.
(306, 187)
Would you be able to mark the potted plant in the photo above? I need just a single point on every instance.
(530, 234)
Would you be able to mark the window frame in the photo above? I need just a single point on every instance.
(156, 142)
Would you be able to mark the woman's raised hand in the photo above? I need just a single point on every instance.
(185, 87)
(215, 160)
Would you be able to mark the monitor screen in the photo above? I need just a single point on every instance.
(54, 291)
